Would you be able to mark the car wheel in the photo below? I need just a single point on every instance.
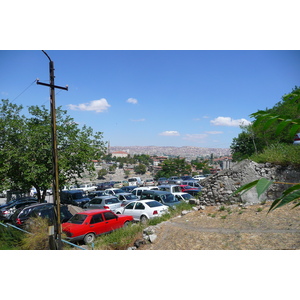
(143, 219)
(89, 238)
(126, 224)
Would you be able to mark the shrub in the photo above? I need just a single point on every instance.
(38, 238)
(279, 154)
(120, 239)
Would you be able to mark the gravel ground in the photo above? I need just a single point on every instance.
(234, 228)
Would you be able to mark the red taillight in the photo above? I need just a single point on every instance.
(18, 221)
(297, 137)
(155, 212)
(106, 207)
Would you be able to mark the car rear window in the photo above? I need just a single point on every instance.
(77, 219)
(112, 201)
(153, 203)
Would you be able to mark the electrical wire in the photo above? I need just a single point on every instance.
(24, 90)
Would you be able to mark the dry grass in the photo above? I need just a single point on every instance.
(231, 228)
(38, 239)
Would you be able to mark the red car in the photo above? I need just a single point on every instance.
(88, 224)
(189, 189)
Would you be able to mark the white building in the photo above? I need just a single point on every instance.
(119, 154)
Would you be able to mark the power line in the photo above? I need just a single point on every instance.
(24, 90)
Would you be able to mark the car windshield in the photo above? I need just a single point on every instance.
(169, 198)
(153, 204)
(118, 191)
(78, 195)
(130, 197)
(187, 196)
(77, 219)
(132, 179)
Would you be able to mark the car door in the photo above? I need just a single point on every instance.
(95, 203)
(139, 209)
(111, 221)
(128, 209)
(97, 224)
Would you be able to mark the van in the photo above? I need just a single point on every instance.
(135, 181)
(73, 197)
(138, 191)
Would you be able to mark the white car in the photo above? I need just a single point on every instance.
(143, 210)
(86, 187)
(184, 197)
(199, 177)
(135, 181)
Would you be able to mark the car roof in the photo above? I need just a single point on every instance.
(93, 211)
(72, 191)
(105, 197)
(157, 192)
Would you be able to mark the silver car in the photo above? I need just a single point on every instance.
(104, 202)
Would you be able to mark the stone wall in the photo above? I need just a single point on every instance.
(218, 188)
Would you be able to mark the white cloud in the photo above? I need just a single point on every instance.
(170, 133)
(227, 121)
(195, 137)
(214, 132)
(132, 101)
(95, 105)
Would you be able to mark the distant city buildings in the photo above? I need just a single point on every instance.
(187, 152)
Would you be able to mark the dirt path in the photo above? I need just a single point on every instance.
(233, 228)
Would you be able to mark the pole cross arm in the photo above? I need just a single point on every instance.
(52, 85)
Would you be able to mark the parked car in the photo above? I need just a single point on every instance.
(105, 185)
(199, 177)
(8, 209)
(185, 178)
(138, 191)
(113, 191)
(184, 197)
(189, 189)
(86, 187)
(297, 139)
(103, 202)
(135, 181)
(87, 225)
(143, 210)
(126, 196)
(174, 180)
(193, 183)
(94, 194)
(44, 210)
(149, 182)
(118, 184)
(73, 197)
(172, 188)
(166, 198)
(129, 188)
(162, 180)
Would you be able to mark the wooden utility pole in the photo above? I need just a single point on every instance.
(56, 197)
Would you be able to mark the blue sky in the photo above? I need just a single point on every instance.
(161, 98)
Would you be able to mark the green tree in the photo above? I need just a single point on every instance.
(174, 167)
(26, 148)
(270, 126)
(140, 169)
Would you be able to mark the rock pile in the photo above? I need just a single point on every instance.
(218, 188)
